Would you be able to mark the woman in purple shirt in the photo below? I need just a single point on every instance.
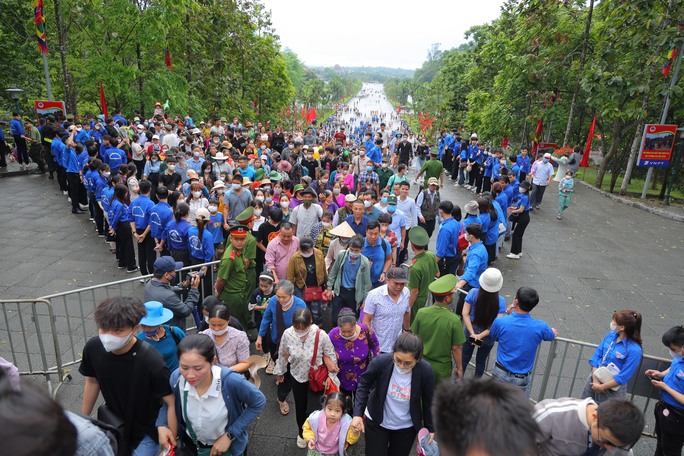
(356, 345)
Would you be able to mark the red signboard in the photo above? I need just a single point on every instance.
(46, 107)
(656, 145)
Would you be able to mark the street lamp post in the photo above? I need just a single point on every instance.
(15, 92)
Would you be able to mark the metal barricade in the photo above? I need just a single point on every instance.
(62, 329)
(29, 334)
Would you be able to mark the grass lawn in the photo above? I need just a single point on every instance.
(634, 188)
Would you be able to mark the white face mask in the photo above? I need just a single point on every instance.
(326, 224)
(403, 370)
(307, 255)
(206, 319)
(172, 167)
(352, 337)
(257, 212)
(367, 204)
(675, 355)
(112, 343)
(259, 198)
(284, 204)
(213, 209)
(236, 186)
(196, 194)
(196, 154)
(219, 332)
(302, 333)
(613, 327)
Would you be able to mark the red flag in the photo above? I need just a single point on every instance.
(398, 109)
(311, 115)
(537, 136)
(103, 102)
(587, 148)
(672, 55)
(504, 142)
(167, 54)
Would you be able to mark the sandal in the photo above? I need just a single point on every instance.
(284, 407)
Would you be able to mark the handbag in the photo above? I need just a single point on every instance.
(313, 293)
(317, 375)
(108, 416)
(462, 241)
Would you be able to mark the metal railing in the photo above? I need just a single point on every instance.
(60, 324)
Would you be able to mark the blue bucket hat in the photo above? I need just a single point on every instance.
(156, 314)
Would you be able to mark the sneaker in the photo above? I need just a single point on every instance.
(92, 219)
(270, 367)
(513, 256)
(301, 443)
(537, 206)
(143, 280)
(100, 235)
(559, 217)
(121, 267)
(131, 270)
(64, 192)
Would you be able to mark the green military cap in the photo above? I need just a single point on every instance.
(418, 236)
(259, 174)
(297, 188)
(444, 285)
(245, 216)
(275, 176)
(391, 200)
(239, 231)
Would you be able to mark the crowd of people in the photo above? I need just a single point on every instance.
(324, 261)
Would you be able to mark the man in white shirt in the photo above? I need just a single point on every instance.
(306, 214)
(387, 309)
(170, 139)
(407, 206)
(542, 172)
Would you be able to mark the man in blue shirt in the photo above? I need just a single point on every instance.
(519, 336)
(358, 220)
(59, 150)
(475, 265)
(140, 210)
(114, 156)
(523, 161)
(447, 239)
(375, 153)
(160, 215)
(378, 252)
(73, 173)
(474, 159)
(19, 135)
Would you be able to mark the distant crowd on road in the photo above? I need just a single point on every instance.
(324, 254)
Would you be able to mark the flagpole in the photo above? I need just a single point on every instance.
(48, 84)
(663, 118)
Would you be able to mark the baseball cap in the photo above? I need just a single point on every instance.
(167, 264)
(398, 274)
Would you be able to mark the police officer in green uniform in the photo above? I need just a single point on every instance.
(441, 330)
(423, 270)
(231, 284)
(432, 168)
(246, 219)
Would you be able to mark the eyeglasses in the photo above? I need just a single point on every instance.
(604, 443)
(405, 364)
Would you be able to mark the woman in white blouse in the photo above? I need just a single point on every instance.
(294, 360)
(214, 405)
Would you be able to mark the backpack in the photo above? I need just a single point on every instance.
(110, 431)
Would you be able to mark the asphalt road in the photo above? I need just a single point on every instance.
(603, 256)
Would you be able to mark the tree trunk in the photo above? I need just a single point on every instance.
(665, 181)
(138, 53)
(615, 137)
(583, 58)
(69, 96)
(633, 151)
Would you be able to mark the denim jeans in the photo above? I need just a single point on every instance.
(482, 352)
(506, 377)
(146, 447)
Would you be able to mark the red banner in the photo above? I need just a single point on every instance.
(46, 107)
(537, 137)
(103, 102)
(587, 148)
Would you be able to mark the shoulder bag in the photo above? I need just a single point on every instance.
(317, 375)
(462, 242)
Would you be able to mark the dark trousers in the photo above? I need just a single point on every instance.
(519, 231)
(455, 166)
(474, 173)
(36, 155)
(306, 401)
(139, 168)
(537, 194)
(49, 159)
(124, 246)
(74, 181)
(403, 253)
(99, 219)
(669, 430)
(22, 151)
(91, 204)
(146, 253)
(62, 178)
(346, 298)
(383, 442)
(486, 183)
(522, 176)
(4, 150)
(446, 161)
(447, 265)
(429, 226)
(491, 251)
(207, 285)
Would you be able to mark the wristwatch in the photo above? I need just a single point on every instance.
(230, 436)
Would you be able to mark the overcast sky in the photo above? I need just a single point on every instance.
(374, 32)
